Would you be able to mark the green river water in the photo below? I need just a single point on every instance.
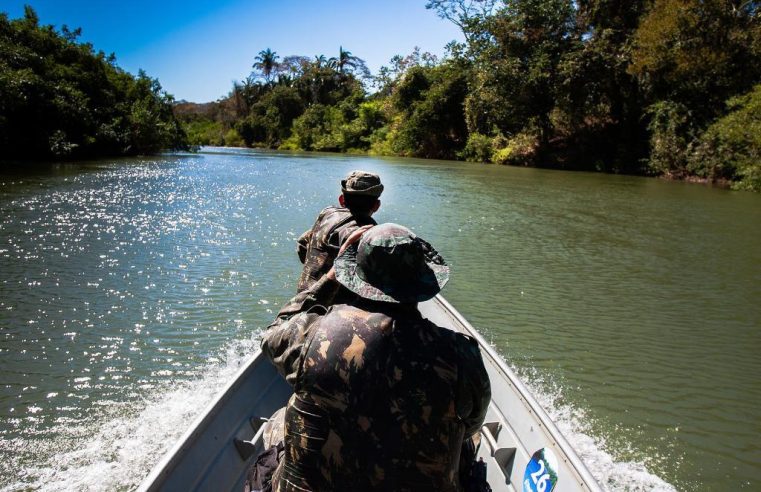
(131, 290)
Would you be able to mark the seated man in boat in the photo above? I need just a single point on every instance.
(384, 399)
(318, 247)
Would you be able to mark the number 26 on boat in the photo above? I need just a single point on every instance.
(541, 474)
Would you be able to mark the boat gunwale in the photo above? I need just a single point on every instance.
(176, 453)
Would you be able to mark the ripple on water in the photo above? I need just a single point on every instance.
(125, 285)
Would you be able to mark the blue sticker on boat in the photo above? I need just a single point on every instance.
(541, 472)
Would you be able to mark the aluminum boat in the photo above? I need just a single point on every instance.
(520, 445)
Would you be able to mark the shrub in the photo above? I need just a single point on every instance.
(205, 132)
(479, 148)
(669, 135)
(731, 147)
(233, 139)
(518, 150)
(318, 128)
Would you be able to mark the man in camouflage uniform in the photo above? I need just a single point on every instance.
(318, 247)
(383, 398)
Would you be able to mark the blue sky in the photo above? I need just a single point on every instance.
(197, 48)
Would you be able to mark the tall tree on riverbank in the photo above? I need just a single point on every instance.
(600, 100)
(266, 62)
(60, 99)
(515, 81)
(690, 57)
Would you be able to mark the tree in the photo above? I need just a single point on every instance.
(266, 63)
(271, 118)
(730, 149)
(344, 59)
(430, 121)
(698, 52)
(517, 53)
(293, 66)
(348, 63)
(61, 99)
(388, 76)
(600, 101)
(463, 13)
(691, 56)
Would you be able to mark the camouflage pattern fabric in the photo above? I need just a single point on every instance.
(318, 247)
(283, 341)
(384, 400)
(362, 183)
(392, 264)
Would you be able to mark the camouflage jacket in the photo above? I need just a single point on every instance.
(318, 247)
(384, 399)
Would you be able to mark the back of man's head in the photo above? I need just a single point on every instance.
(360, 192)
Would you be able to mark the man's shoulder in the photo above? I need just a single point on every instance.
(332, 217)
(354, 316)
(347, 320)
(332, 210)
(327, 212)
(463, 345)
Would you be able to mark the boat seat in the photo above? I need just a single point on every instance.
(247, 448)
(500, 457)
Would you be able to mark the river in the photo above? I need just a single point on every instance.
(132, 289)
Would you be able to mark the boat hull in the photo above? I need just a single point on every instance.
(206, 458)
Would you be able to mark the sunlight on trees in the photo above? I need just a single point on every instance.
(61, 99)
(656, 87)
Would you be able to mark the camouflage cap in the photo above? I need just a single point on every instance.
(362, 183)
(391, 264)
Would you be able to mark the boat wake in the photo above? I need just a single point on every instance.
(118, 452)
(612, 474)
(121, 451)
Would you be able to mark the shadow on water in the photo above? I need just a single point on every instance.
(68, 168)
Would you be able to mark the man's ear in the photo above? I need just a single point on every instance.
(376, 206)
(341, 200)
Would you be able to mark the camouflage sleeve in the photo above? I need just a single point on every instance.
(337, 238)
(302, 244)
(284, 339)
(474, 383)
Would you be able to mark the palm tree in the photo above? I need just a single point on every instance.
(345, 59)
(266, 61)
(320, 60)
(285, 79)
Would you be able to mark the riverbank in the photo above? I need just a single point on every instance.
(570, 96)
(720, 183)
(63, 100)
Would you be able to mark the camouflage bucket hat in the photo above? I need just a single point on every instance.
(362, 183)
(391, 264)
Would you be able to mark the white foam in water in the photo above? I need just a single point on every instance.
(124, 450)
(612, 475)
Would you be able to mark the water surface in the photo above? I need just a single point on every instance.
(131, 290)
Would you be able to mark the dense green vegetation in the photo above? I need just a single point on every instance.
(60, 99)
(654, 87)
